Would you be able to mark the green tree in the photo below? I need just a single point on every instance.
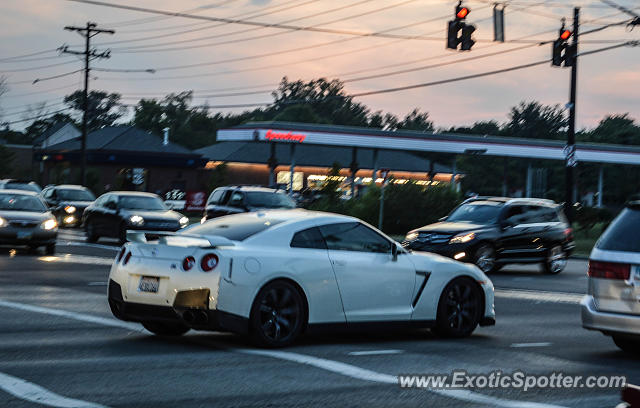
(40, 126)
(104, 109)
(416, 120)
(191, 127)
(614, 129)
(327, 100)
(532, 120)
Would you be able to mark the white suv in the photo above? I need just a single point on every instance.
(612, 304)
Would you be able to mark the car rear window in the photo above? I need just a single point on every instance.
(622, 233)
(12, 185)
(233, 227)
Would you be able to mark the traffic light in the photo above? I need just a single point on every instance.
(466, 41)
(452, 35)
(457, 25)
(562, 52)
(461, 12)
(557, 53)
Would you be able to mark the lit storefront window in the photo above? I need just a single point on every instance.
(284, 177)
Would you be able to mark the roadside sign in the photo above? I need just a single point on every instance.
(195, 201)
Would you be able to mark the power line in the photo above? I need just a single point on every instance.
(146, 48)
(484, 74)
(229, 33)
(39, 67)
(45, 104)
(28, 55)
(44, 91)
(246, 22)
(51, 77)
(442, 64)
(156, 19)
(35, 117)
(278, 7)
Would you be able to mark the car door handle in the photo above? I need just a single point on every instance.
(339, 263)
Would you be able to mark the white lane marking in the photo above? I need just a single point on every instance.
(525, 345)
(374, 352)
(25, 390)
(540, 296)
(337, 367)
(87, 244)
(77, 259)
(97, 283)
(349, 370)
(104, 321)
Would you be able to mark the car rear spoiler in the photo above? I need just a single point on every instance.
(213, 240)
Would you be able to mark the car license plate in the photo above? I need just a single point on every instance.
(24, 234)
(149, 284)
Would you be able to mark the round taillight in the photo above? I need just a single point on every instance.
(121, 254)
(209, 262)
(127, 257)
(188, 263)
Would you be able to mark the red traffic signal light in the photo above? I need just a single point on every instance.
(565, 34)
(462, 13)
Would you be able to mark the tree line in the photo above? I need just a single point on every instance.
(326, 102)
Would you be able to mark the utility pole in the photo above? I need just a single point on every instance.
(87, 32)
(570, 150)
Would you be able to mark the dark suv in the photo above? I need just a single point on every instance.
(238, 199)
(493, 231)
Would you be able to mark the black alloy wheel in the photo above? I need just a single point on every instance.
(485, 258)
(459, 309)
(556, 260)
(278, 315)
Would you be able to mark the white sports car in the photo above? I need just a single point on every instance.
(276, 274)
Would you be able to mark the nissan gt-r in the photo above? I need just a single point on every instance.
(277, 274)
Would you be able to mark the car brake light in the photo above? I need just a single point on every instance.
(609, 270)
(127, 257)
(209, 262)
(121, 254)
(188, 263)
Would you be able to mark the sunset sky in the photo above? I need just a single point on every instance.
(608, 81)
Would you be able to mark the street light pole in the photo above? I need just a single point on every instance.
(570, 150)
(87, 32)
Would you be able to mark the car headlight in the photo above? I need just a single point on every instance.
(3, 222)
(136, 220)
(69, 209)
(49, 224)
(411, 236)
(462, 238)
(184, 221)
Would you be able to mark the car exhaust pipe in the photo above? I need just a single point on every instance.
(188, 316)
(202, 317)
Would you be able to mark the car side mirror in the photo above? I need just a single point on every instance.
(170, 206)
(394, 251)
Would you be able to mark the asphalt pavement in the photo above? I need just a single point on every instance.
(59, 346)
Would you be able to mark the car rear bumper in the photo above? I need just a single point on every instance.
(182, 311)
(607, 322)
